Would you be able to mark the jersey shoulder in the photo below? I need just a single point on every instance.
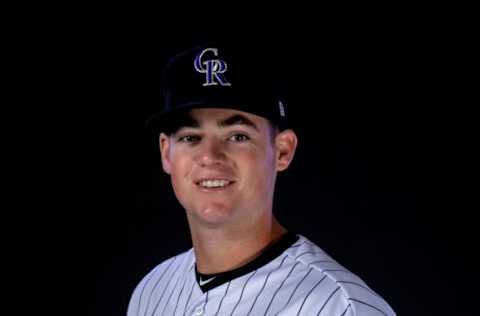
(157, 279)
(342, 292)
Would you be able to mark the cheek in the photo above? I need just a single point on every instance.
(260, 166)
(180, 171)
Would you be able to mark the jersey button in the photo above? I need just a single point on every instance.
(199, 310)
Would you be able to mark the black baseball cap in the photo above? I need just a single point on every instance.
(221, 75)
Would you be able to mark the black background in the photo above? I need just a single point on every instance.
(378, 181)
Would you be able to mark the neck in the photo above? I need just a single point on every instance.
(221, 250)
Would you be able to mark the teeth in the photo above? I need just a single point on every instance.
(214, 183)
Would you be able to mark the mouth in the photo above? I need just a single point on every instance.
(209, 185)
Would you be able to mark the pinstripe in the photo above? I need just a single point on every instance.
(305, 299)
(278, 289)
(169, 297)
(335, 270)
(346, 309)
(143, 288)
(293, 293)
(181, 291)
(278, 283)
(321, 261)
(264, 283)
(156, 284)
(328, 299)
(221, 301)
(189, 296)
(164, 290)
(364, 303)
(311, 252)
(243, 289)
(179, 296)
(205, 305)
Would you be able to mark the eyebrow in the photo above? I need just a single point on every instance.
(236, 119)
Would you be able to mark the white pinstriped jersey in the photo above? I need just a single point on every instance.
(302, 280)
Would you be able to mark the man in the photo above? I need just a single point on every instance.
(223, 137)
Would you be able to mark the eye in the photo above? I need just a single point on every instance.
(239, 138)
(188, 139)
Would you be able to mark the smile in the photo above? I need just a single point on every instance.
(214, 183)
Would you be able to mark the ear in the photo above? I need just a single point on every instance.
(165, 152)
(285, 144)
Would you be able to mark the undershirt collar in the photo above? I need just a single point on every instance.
(210, 281)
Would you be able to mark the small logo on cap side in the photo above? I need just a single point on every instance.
(213, 69)
(282, 109)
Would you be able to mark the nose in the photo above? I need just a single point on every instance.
(211, 151)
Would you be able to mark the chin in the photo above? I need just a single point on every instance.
(214, 214)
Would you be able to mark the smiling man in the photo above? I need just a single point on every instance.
(223, 171)
(223, 137)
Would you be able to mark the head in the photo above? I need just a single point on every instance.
(223, 133)
(223, 164)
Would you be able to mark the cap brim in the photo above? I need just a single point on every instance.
(162, 121)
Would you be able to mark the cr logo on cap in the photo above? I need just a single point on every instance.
(212, 68)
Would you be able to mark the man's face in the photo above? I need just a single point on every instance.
(223, 166)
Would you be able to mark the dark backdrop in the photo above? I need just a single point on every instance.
(377, 181)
